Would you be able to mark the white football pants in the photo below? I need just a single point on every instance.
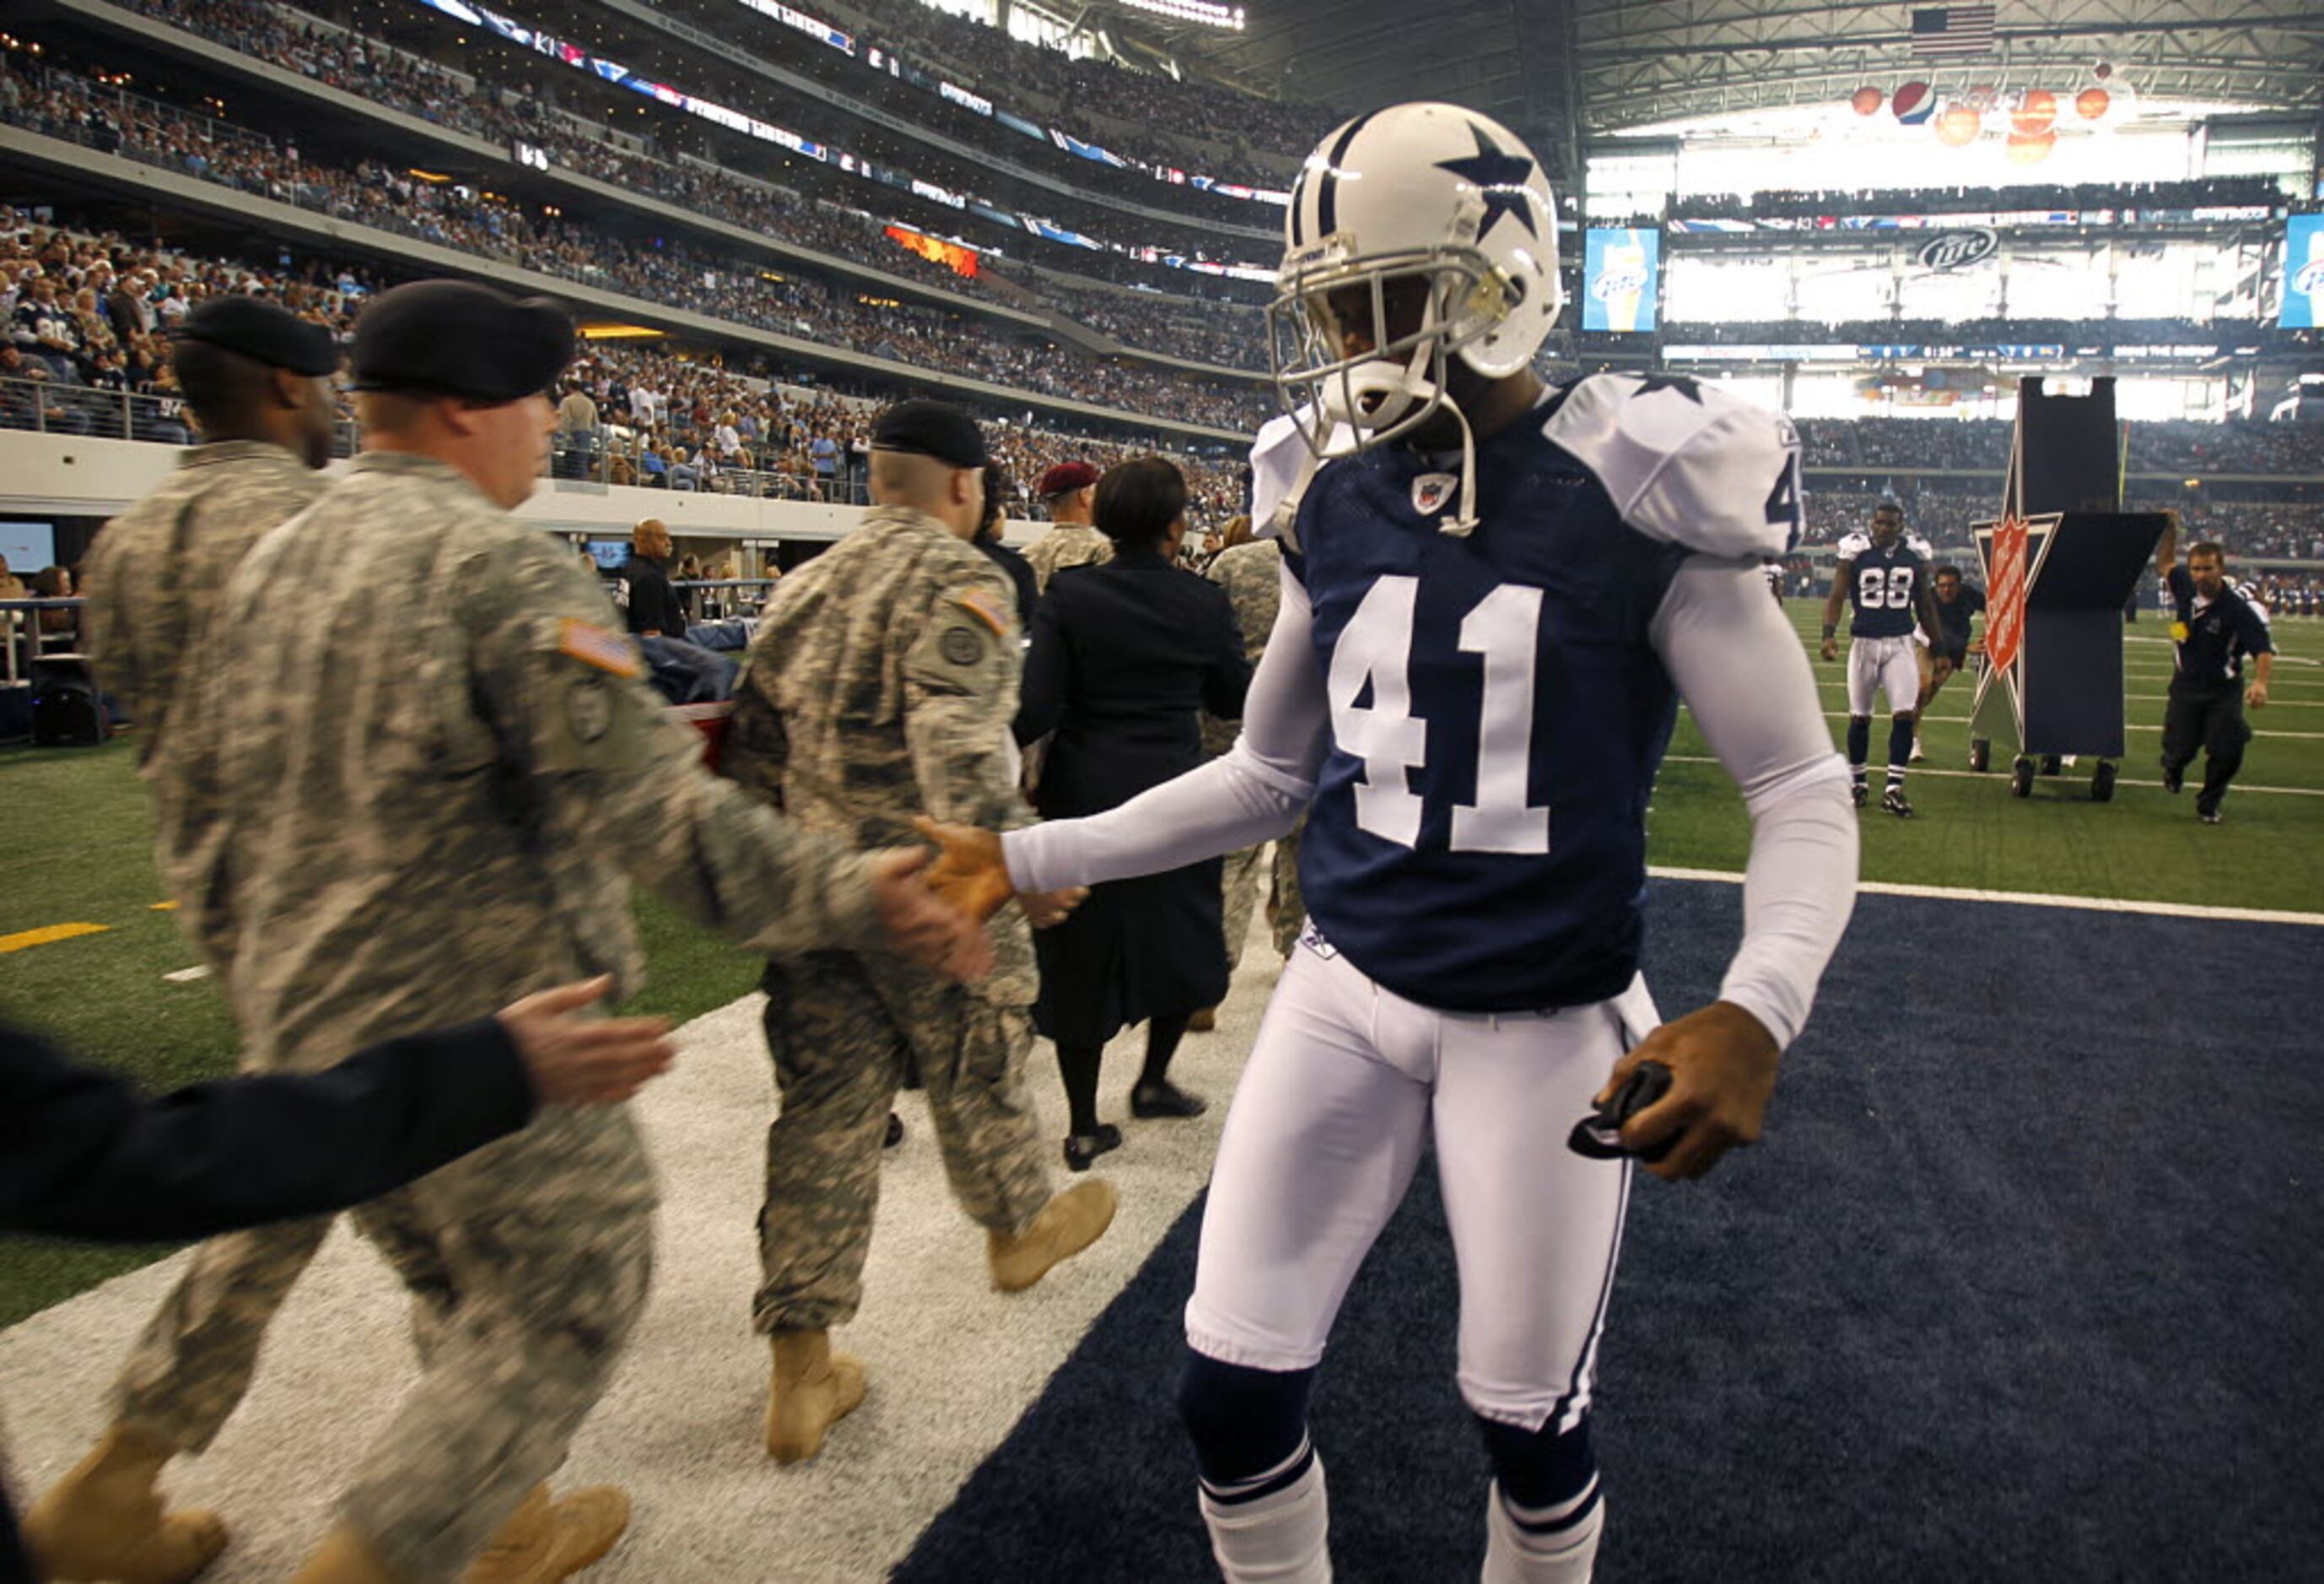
(1344, 1083)
(1887, 665)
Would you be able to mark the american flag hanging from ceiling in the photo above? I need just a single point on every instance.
(1953, 30)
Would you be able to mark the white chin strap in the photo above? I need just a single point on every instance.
(1400, 390)
(1375, 395)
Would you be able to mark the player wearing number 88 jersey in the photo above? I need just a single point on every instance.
(1494, 597)
(1883, 574)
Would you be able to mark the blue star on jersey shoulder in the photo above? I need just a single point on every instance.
(1500, 177)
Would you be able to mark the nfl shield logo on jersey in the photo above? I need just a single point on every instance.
(1430, 491)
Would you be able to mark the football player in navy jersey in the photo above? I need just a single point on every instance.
(1494, 597)
(1883, 574)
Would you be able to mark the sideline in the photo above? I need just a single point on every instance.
(2002, 776)
(2029, 898)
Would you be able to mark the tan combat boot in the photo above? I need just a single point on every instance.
(104, 1520)
(814, 1388)
(1070, 1222)
(343, 1557)
(544, 1541)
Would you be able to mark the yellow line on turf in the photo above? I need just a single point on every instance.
(43, 935)
(2031, 898)
(165, 907)
(2001, 756)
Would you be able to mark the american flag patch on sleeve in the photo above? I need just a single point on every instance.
(597, 646)
(979, 605)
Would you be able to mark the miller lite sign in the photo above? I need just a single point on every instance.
(1957, 250)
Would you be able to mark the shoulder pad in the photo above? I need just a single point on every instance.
(1686, 463)
(1920, 547)
(1282, 466)
(1852, 546)
(1277, 458)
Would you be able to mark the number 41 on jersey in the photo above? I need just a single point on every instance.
(1376, 647)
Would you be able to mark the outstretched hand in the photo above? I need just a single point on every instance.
(969, 871)
(921, 925)
(574, 1060)
(1723, 1064)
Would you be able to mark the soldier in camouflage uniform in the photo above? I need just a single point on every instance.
(427, 802)
(1069, 491)
(256, 379)
(1252, 570)
(882, 680)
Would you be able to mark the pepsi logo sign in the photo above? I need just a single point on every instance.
(2309, 279)
(1614, 282)
(1957, 250)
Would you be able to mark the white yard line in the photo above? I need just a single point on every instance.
(2033, 898)
(2003, 776)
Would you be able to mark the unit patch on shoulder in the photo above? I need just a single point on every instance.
(979, 604)
(961, 646)
(601, 647)
(589, 708)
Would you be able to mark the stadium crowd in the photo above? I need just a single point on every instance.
(2251, 529)
(504, 94)
(87, 317)
(675, 274)
(1140, 111)
(2181, 446)
(2013, 331)
(2204, 192)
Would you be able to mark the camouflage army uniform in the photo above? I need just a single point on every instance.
(429, 801)
(1251, 574)
(880, 686)
(1068, 544)
(156, 577)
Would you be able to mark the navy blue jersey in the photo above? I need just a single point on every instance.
(1884, 586)
(2213, 636)
(1952, 620)
(1476, 841)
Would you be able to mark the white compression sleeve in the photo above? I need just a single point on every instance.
(1253, 794)
(1745, 679)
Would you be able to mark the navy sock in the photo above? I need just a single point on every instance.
(1900, 748)
(1860, 743)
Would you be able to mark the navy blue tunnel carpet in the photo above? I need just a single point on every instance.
(2024, 1283)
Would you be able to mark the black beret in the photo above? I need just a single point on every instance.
(457, 339)
(930, 428)
(263, 331)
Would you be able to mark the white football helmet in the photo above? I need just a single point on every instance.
(1427, 192)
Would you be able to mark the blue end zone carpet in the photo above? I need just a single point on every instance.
(2024, 1283)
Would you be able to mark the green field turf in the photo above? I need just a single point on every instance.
(78, 836)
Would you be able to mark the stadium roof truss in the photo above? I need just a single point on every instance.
(1564, 72)
(1675, 59)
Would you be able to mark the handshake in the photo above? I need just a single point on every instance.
(930, 907)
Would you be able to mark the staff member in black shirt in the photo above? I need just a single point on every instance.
(82, 1155)
(1957, 603)
(654, 610)
(2214, 627)
(988, 539)
(1125, 653)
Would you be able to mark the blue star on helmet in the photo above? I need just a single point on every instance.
(1499, 177)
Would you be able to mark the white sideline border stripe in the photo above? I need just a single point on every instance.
(2029, 898)
(1922, 769)
(2128, 726)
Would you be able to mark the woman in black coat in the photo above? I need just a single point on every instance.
(1124, 654)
